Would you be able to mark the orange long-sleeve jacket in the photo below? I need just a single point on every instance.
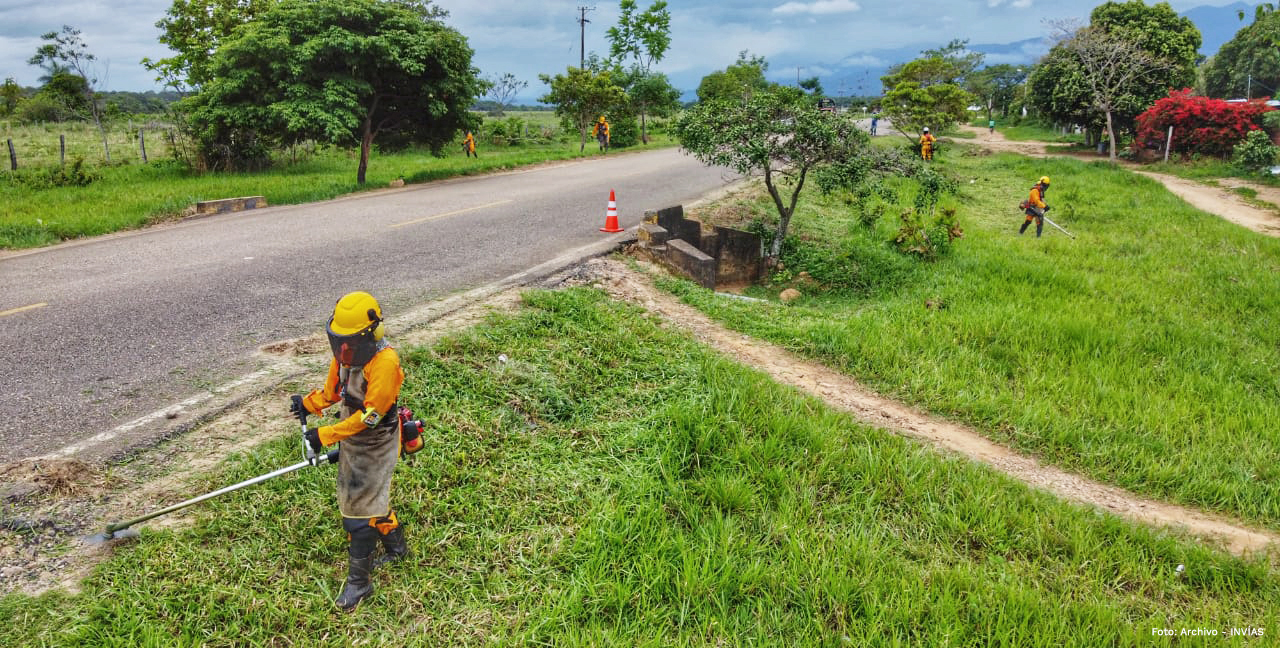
(382, 376)
(1037, 197)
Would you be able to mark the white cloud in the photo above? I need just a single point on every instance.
(818, 7)
(862, 60)
(1016, 4)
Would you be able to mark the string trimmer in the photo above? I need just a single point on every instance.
(1046, 219)
(310, 458)
(410, 440)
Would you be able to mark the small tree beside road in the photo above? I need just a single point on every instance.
(580, 96)
(502, 90)
(775, 133)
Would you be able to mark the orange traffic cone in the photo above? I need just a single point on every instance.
(611, 216)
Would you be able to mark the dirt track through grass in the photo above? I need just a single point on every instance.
(843, 393)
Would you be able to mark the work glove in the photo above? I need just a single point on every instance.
(296, 407)
(312, 436)
(1047, 208)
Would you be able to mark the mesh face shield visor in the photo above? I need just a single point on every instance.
(354, 350)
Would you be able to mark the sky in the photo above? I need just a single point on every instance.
(832, 39)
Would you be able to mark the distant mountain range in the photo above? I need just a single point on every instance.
(1217, 25)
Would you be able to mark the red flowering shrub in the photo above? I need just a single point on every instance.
(1200, 124)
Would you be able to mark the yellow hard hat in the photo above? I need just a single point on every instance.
(1044, 179)
(355, 329)
(601, 118)
(354, 313)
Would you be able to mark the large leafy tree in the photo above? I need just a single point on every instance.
(1157, 34)
(995, 86)
(1248, 63)
(194, 30)
(1057, 89)
(1111, 66)
(736, 82)
(775, 133)
(1159, 31)
(580, 95)
(341, 71)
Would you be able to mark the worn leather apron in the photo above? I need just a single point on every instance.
(367, 459)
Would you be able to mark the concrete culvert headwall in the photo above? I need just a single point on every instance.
(711, 256)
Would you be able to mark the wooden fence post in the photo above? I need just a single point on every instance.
(13, 157)
(1167, 143)
(142, 144)
(62, 149)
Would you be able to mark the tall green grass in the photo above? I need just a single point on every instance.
(592, 478)
(1144, 353)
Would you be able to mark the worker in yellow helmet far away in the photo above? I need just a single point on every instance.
(601, 133)
(1034, 206)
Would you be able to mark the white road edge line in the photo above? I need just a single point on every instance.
(414, 317)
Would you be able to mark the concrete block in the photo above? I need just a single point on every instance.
(224, 205)
(692, 263)
(740, 255)
(652, 235)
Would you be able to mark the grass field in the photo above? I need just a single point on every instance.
(609, 483)
(40, 145)
(134, 195)
(1144, 353)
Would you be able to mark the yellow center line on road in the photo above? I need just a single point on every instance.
(452, 213)
(13, 311)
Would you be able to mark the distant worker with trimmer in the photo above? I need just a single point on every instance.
(927, 141)
(601, 133)
(1034, 206)
(469, 145)
(365, 379)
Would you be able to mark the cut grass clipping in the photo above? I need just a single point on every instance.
(593, 479)
(1144, 353)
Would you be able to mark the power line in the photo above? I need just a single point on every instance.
(582, 35)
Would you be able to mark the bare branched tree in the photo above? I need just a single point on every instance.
(503, 89)
(66, 52)
(1110, 64)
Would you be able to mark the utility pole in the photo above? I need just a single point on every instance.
(1248, 87)
(582, 35)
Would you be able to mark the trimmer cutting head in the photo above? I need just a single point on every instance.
(109, 535)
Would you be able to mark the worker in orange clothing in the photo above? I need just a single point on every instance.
(469, 145)
(601, 133)
(926, 144)
(1034, 206)
(365, 379)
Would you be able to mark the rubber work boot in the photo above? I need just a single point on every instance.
(359, 564)
(394, 547)
(1039, 227)
(1024, 227)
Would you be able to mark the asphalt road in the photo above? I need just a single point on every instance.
(94, 334)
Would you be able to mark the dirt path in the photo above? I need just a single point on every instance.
(844, 393)
(1218, 201)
